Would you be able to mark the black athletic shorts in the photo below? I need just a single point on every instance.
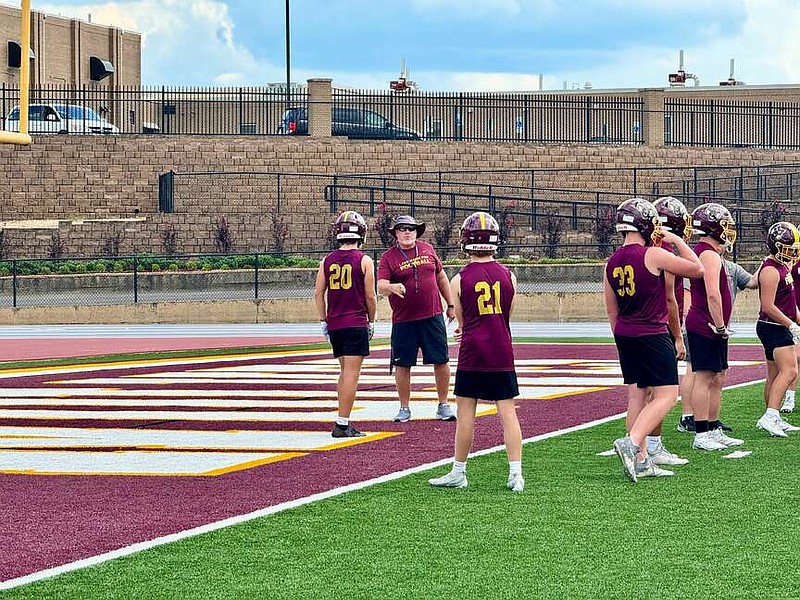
(648, 360)
(428, 335)
(350, 341)
(486, 385)
(708, 354)
(773, 335)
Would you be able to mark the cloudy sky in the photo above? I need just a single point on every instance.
(456, 44)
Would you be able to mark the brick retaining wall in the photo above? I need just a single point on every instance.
(72, 179)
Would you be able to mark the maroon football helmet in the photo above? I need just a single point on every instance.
(783, 241)
(715, 221)
(480, 232)
(637, 214)
(350, 226)
(674, 216)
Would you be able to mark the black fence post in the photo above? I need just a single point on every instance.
(278, 194)
(135, 279)
(372, 201)
(334, 193)
(14, 283)
(492, 201)
(255, 283)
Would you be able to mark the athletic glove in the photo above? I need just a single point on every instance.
(370, 330)
(794, 329)
(324, 327)
(723, 331)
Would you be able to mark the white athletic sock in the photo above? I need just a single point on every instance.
(684, 415)
(515, 467)
(789, 395)
(773, 412)
(653, 442)
(343, 421)
(459, 467)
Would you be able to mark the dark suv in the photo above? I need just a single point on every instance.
(354, 123)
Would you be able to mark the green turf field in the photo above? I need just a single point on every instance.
(718, 529)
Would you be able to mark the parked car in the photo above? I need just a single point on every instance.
(354, 123)
(60, 118)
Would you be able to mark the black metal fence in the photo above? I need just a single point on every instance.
(162, 110)
(606, 118)
(103, 281)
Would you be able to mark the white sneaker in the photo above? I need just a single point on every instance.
(704, 441)
(452, 479)
(647, 468)
(662, 456)
(772, 426)
(516, 483)
(788, 405)
(719, 436)
(787, 427)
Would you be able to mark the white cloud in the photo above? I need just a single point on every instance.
(190, 42)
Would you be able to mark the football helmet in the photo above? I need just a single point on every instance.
(674, 217)
(350, 226)
(715, 221)
(783, 241)
(637, 214)
(480, 232)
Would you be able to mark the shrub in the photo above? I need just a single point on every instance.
(169, 239)
(604, 232)
(383, 225)
(279, 231)
(552, 233)
(222, 235)
(505, 219)
(112, 244)
(775, 212)
(56, 247)
(442, 233)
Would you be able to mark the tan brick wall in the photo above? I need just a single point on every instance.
(63, 47)
(78, 178)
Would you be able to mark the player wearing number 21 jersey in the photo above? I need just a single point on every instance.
(483, 297)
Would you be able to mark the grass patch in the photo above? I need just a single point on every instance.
(717, 529)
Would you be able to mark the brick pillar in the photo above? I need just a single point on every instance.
(319, 108)
(653, 126)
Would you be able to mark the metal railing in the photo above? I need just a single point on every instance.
(606, 118)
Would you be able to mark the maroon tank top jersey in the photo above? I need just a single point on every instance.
(699, 316)
(641, 296)
(344, 280)
(486, 295)
(679, 289)
(784, 294)
(796, 278)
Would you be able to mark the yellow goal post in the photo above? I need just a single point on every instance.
(22, 137)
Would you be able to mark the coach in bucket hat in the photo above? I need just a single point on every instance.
(408, 221)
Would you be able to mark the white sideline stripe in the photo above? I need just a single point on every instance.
(271, 510)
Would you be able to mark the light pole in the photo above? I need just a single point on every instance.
(288, 58)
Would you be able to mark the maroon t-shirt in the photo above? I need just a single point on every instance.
(699, 316)
(416, 268)
(796, 278)
(486, 295)
(344, 281)
(641, 296)
(679, 291)
(784, 294)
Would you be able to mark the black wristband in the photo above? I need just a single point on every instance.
(450, 306)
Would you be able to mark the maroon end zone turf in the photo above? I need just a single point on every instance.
(42, 349)
(53, 520)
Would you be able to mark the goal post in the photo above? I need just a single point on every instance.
(22, 137)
